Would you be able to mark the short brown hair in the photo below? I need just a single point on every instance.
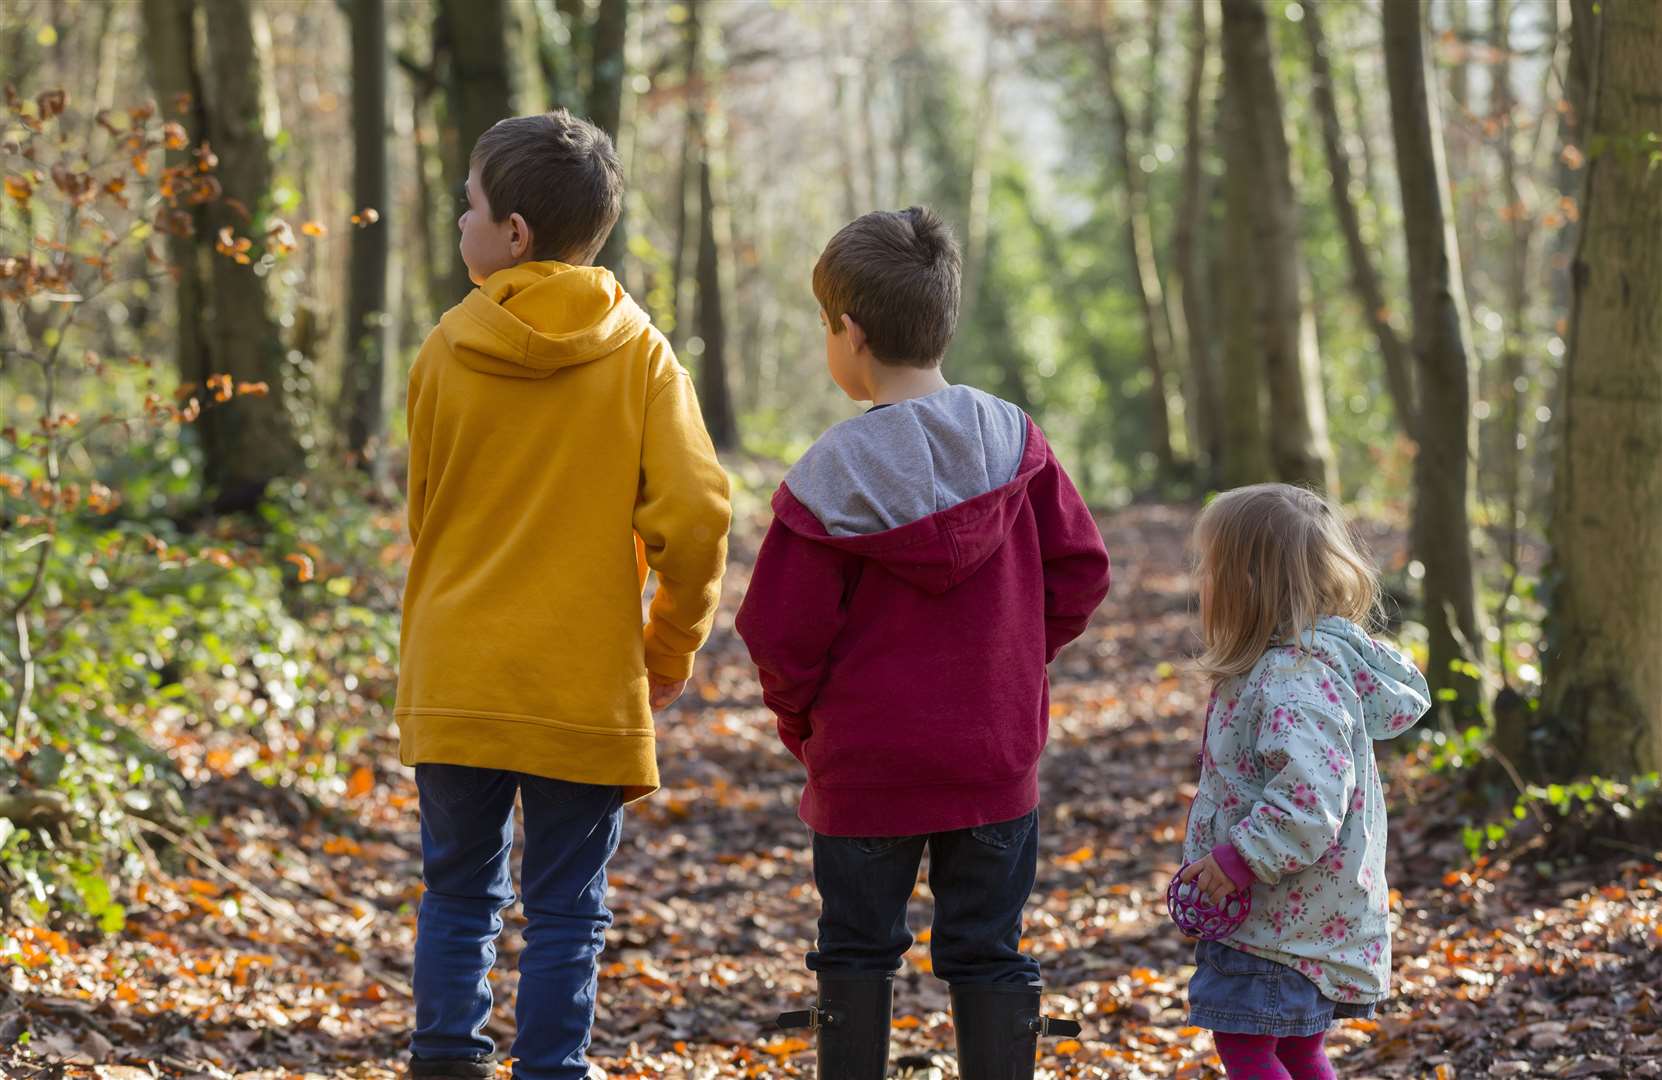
(1275, 559)
(895, 272)
(561, 174)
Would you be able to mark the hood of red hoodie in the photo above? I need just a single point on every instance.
(938, 550)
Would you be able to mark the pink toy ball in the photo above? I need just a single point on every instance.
(1198, 917)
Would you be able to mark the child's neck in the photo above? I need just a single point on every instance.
(892, 383)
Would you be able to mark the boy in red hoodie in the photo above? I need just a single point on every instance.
(926, 561)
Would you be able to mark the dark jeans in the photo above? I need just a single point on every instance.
(981, 879)
(467, 832)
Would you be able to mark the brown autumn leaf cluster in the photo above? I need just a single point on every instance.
(277, 942)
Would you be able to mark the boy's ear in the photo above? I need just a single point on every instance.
(856, 335)
(519, 236)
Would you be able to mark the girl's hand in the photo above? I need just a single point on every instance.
(661, 693)
(1213, 882)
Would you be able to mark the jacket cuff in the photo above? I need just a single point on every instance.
(670, 667)
(1230, 862)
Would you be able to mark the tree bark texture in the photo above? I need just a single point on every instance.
(715, 397)
(1604, 668)
(1191, 296)
(1364, 276)
(368, 329)
(1443, 466)
(1138, 232)
(471, 35)
(609, 71)
(226, 325)
(1298, 434)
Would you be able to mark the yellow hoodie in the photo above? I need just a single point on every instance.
(556, 451)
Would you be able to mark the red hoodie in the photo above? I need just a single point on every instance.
(907, 666)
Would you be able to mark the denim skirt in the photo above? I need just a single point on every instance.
(1237, 992)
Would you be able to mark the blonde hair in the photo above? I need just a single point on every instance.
(1274, 558)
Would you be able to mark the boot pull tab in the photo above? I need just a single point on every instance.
(1052, 1025)
(812, 1019)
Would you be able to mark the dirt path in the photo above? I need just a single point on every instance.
(284, 950)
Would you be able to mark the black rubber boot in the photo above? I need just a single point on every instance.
(998, 1027)
(850, 1021)
(452, 1068)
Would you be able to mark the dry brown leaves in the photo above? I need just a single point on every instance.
(288, 955)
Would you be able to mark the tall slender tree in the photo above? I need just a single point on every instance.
(1244, 429)
(368, 327)
(1299, 450)
(1364, 276)
(1604, 667)
(1190, 295)
(608, 66)
(1443, 466)
(1138, 234)
(470, 46)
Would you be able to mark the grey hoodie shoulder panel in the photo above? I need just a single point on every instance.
(898, 465)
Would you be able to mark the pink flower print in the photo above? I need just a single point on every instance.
(1295, 904)
(1365, 683)
(1334, 860)
(1278, 919)
(1373, 951)
(1328, 692)
(1309, 969)
(1274, 813)
(1336, 929)
(1400, 721)
(1207, 761)
(1281, 720)
(1365, 878)
(1357, 799)
(1336, 761)
(1230, 803)
(1304, 796)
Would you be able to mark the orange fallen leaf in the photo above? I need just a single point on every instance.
(361, 784)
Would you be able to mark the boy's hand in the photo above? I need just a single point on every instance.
(1212, 880)
(661, 693)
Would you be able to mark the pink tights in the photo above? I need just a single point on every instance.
(1266, 1057)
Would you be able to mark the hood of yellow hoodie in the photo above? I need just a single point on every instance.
(531, 320)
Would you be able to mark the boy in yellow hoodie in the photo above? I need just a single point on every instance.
(556, 453)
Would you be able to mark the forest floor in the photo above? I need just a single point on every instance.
(281, 945)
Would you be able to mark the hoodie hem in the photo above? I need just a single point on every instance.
(909, 811)
(583, 755)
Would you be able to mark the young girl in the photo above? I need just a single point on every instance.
(1290, 804)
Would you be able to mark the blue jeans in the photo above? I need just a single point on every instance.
(467, 833)
(981, 879)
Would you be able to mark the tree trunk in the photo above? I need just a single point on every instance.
(1604, 670)
(1512, 389)
(714, 396)
(980, 180)
(1245, 437)
(170, 42)
(691, 131)
(471, 35)
(1189, 287)
(1370, 292)
(368, 328)
(609, 67)
(1139, 247)
(225, 322)
(1298, 433)
(1443, 466)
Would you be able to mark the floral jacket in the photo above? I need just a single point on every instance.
(1288, 777)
